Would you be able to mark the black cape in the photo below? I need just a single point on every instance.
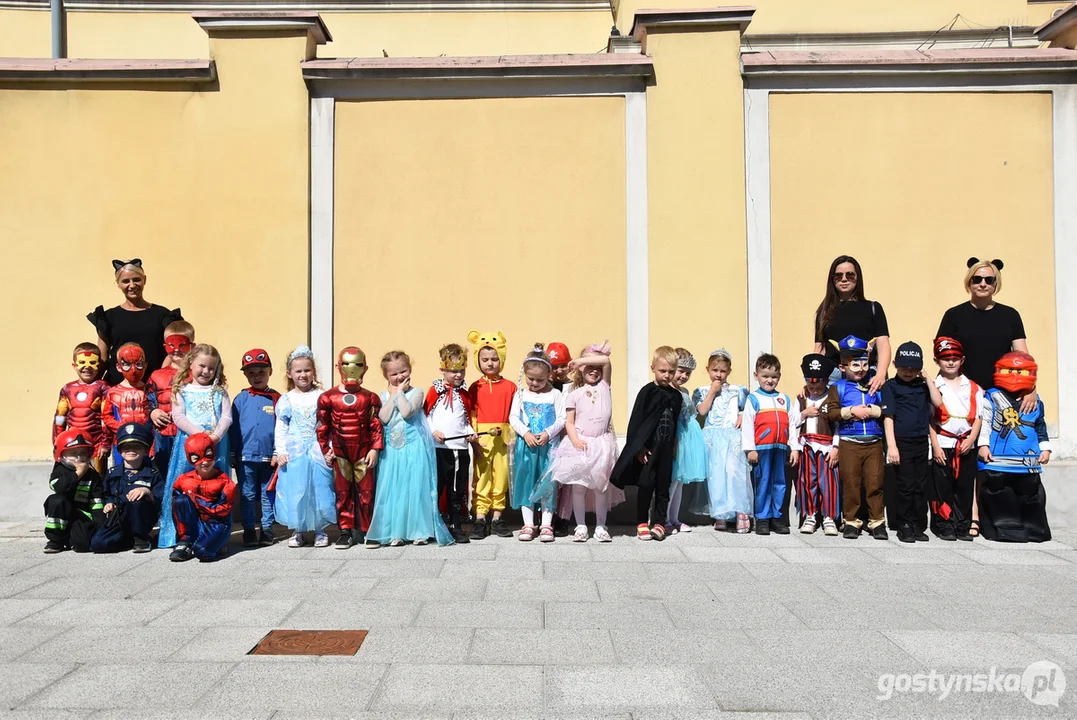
(653, 403)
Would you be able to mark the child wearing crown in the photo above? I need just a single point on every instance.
(1013, 448)
(448, 411)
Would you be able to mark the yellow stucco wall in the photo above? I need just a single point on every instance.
(134, 35)
(451, 217)
(1041, 12)
(214, 203)
(696, 225)
(909, 186)
(25, 33)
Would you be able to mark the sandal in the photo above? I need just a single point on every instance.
(744, 523)
(658, 532)
(974, 529)
(720, 526)
(643, 532)
(527, 533)
(580, 535)
(546, 534)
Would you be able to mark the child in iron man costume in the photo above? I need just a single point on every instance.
(131, 400)
(202, 504)
(350, 435)
(80, 403)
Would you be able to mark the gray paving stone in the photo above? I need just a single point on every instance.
(621, 688)
(365, 715)
(415, 646)
(296, 687)
(12, 586)
(216, 644)
(106, 588)
(495, 687)
(176, 714)
(677, 647)
(445, 589)
(606, 615)
(971, 649)
(143, 685)
(45, 715)
(324, 613)
(115, 643)
(391, 568)
(355, 588)
(721, 614)
(194, 613)
(581, 570)
(14, 610)
(12, 565)
(1062, 647)
(562, 550)
(848, 615)
(539, 589)
(541, 647)
(238, 587)
(917, 554)
(624, 590)
(23, 680)
(16, 641)
(632, 549)
(675, 573)
(824, 556)
(1011, 555)
(480, 614)
(746, 555)
(466, 570)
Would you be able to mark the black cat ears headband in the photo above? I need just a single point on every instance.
(996, 262)
(117, 264)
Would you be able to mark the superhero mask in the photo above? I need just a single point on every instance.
(178, 344)
(74, 443)
(131, 362)
(200, 450)
(1015, 372)
(87, 361)
(493, 340)
(351, 363)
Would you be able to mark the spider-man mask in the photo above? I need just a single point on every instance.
(1015, 372)
(200, 451)
(131, 362)
(177, 344)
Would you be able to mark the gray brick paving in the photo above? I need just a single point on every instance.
(704, 625)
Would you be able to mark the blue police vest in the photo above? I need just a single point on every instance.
(850, 394)
(1015, 443)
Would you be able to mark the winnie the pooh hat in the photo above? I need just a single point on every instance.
(494, 340)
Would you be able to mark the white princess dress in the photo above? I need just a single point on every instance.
(729, 481)
(306, 500)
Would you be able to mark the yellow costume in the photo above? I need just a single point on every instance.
(491, 400)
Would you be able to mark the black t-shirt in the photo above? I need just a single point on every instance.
(145, 327)
(864, 319)
(910, 406)
(986, 336)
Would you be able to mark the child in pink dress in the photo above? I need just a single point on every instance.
(588, 452)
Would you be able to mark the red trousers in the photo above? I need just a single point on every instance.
(354, 485)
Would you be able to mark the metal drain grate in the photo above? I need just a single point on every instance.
(310, 642)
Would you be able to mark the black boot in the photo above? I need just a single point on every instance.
(762, 527)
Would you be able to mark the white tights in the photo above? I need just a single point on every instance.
(579, 505)
(673, 516)
(529, 515)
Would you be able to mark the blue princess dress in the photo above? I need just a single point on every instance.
(197, 408)
(535, 413)
(305, 498)
(406, 504)
(690, 462)
(729, 481)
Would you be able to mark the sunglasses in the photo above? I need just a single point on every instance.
(978, 279)
(838, 277)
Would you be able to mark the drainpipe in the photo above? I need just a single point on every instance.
(59, 42)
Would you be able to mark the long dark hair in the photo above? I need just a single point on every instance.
(828, 308)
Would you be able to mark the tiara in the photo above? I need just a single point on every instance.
(720, 352)
(301, 351)
(687, 363)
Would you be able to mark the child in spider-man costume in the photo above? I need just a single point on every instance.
(179, 340)
(131, 400)
(350, 435)
(80, 403)
(1013, 447)
(202, 504)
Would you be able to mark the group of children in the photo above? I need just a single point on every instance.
(395, 467)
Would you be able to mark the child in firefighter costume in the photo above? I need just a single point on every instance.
(131, 400)
(491, 400)
(80, 403)
(1013, 447)
(202, 504)
(350, 436)
(73, 510)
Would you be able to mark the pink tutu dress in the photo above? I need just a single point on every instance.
(590, 467)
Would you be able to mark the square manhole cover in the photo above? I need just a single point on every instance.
(310, 642)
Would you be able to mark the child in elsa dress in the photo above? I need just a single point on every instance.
(406, 504)
(305, 498)
(690, 461)
(537, 416)
(200, 404)
(586, 456)
(730, 496)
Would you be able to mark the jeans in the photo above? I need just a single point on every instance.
(253, 478)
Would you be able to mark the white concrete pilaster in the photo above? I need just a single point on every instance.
(637, 280)
(322, 112)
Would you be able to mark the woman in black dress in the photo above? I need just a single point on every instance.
(134, 320)
(844, 311)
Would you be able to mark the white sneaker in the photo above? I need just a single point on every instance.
(809, 526)
(296, 540)
(685, 527)
(829, 526)
(602, 534)
(396, 542)
(421, 541)
(321, 540)
(580, 535)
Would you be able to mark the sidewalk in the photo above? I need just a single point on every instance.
(703, 625)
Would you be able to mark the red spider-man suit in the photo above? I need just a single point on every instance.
(130, 401)
(350, 432)
(202, 503)
(79, 407)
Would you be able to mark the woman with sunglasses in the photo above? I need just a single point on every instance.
(987, 330)
(134, 320)
(844, 311)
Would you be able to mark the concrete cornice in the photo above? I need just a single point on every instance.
(691, 19)
(313, 6)
(90, 71)
(1021, 37)
(311, 22)
(498, 67)
(891, 62)
(1064, 22)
